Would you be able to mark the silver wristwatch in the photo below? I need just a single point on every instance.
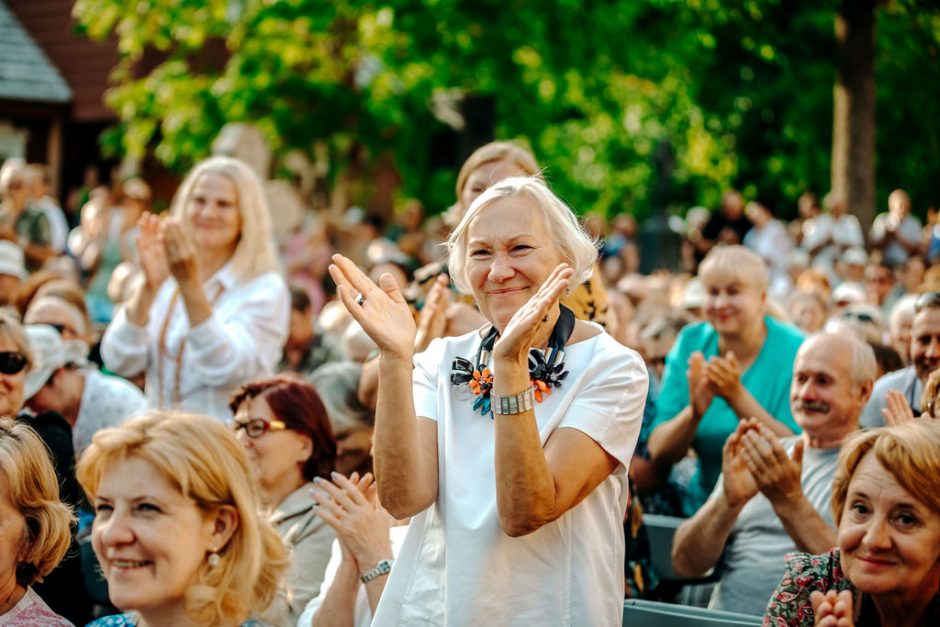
(514, 403)
(384, 567)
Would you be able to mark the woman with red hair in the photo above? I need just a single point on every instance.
(286, 433)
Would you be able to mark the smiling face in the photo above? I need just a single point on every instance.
(823, 398)
(150, 539)
(213, 213)
(925, 342)
(732, 304)
(12, 537)
(510, 253)
(279, 455)
(890, 541)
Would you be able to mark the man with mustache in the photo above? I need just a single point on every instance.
(925, 357)
(773, 496)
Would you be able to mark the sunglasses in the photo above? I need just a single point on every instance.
(862, 317)
(12, 362)
(257, 427)
(927, 300)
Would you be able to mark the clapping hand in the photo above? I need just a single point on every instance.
(833, 609)
(382, 313)
(739, 484)
(701, 392)
(724, 375)
(351, 507)
(777, 475)
(150, 251)
(180, 253)
(532, 324)
(432, 322)
(896, 409)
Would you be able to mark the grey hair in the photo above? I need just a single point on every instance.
(576, 247)
(864, 366)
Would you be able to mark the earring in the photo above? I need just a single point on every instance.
(214, 558)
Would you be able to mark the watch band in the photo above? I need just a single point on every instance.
(384, 567)
(513, 403)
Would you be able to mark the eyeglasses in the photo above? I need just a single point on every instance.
(12, 362)
(860, 316)
(257, 427)
(927, 300)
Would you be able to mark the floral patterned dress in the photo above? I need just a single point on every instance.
(790, 605)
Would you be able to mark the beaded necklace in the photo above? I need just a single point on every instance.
(546, 368)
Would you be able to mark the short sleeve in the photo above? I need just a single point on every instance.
(610, 408)
(427, 367)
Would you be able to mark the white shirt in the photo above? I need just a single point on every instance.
(58, 225)
(457, 566)
(909, 230)
(844, 232)
(241, 341)
(106, 402)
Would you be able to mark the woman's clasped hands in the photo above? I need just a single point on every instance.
(717, 376)
(165, 249)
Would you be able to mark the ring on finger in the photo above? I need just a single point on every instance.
(360, 298)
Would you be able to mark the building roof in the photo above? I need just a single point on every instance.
(25, 71)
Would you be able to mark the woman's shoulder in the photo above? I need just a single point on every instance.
(783, 334)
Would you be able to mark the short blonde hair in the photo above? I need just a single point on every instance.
(12, 329)
(33, 490)
(737, 263)
(577, 249)
(495, 152)
(255, 253)
(910, 451)
(204, 461)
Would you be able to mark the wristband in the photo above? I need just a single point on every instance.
(513, 403)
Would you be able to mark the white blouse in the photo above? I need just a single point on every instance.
(199, 368)
(457, 566)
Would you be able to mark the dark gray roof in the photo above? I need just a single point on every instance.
(25, 71)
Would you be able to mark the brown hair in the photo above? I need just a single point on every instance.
(910, 451)
(494, 152)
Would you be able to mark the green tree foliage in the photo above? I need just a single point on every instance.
(630, 105)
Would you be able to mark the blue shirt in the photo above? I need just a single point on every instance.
(767, 379)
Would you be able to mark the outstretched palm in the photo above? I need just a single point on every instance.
(384, 315)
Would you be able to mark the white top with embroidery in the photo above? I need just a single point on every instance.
(239, 342)
(457, 566)
(106, 402)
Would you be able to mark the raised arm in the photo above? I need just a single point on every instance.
(536, 485)
(405, 445)
(700, 540)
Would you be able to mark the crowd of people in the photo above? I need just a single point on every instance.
(461, 418)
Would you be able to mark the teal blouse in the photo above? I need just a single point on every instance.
(767, 379)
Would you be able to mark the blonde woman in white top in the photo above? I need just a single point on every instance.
(210, 310)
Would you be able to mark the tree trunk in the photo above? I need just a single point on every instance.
(853, 127)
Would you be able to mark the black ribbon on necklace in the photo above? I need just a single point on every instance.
(545, 372)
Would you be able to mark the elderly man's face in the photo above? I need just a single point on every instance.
(925, 342)
(825, 402)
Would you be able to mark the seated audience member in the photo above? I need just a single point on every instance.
(12, 271)
(62, 382)
(69, 320)
(734, 366)
(897, 409)
(19, 220)
(899, 326)
(34, 526)
(284, 428)
(306, 349)
(773, 495)
(879, 281)
(177, 530)
(925, 357)
(337, 384)
(897, 233)
(809, 311)
(367, 542)
(885, 567)
(62, 589)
